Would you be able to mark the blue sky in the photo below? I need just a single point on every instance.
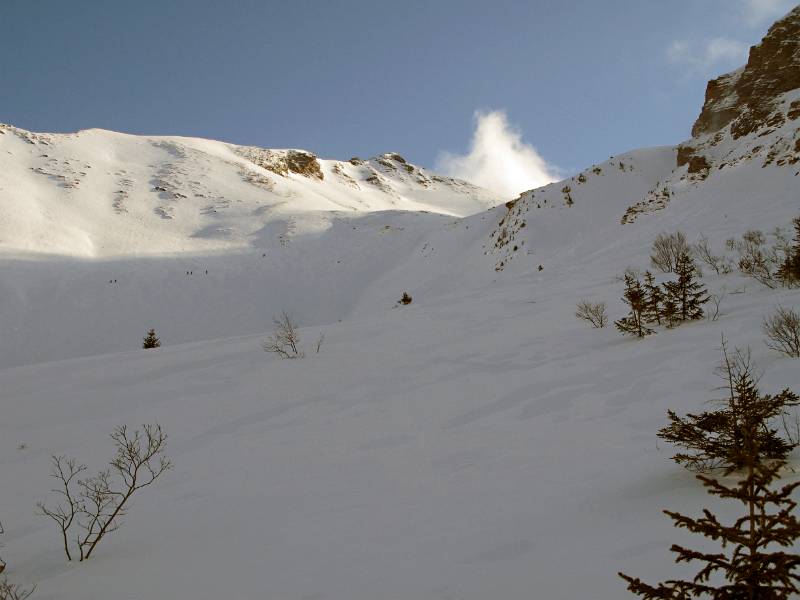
(579, 80)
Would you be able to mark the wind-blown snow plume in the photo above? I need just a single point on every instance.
(498, 159)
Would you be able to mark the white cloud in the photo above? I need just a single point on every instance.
(498, 159)
(701, 56)
(757, 12)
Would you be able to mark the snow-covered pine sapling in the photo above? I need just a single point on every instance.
(789, 269)
(635, 298)
(285, 340)
(757, 560)
(783, 331)
(101, 500)
(686, 292)
(712, 439)
(654, 298)
(592, 312)
(151, 341)
(405, 299)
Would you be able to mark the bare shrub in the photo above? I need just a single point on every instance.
(755, 259)
(284, 341)
(783, 331)
(592, 312)
(10, 591)
(667, 247)
(406, 299)
(101, 500)
(715, 300)
(320, 339)
(65, 470)
(702, 250)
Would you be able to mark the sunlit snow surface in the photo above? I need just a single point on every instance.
(478, 443)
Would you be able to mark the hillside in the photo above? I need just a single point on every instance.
(477, 443)
(101, 194)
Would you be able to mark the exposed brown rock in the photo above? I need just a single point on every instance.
(303, 163)
(794, 110)
(281, 162)
(746, 97)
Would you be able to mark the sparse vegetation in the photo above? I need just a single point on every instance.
(635, 298)
(702, 250)
(592, 312)
(713, 439)
(96, 504)
(405, 299)
(10, 591)
(151, 340)
(686, 293)
(285, 340)
(749, 566)
(667, 248)
(783, 331)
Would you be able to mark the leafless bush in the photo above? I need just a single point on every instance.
(755, 259)
(667, 247)
(284, 341)
(783, 331)
(715, 300)
(702, 250)
(101, 500)
(594, 313)
(65, 511)
(10, 591)
(320, 339)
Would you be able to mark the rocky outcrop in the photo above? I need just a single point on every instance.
(746, 97)
(282, 162)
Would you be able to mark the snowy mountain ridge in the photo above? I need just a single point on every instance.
(98, 193)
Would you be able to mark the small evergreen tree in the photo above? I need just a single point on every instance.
(686, 292)
(653, 299)
(789, 270)
(712, 439)
(755, 566)
(669, 312)
(150, 340)
(635, 298)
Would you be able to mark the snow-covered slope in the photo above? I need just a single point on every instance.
(478, 443)
(103, 194)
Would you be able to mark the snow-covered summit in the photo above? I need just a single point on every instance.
(98, 193)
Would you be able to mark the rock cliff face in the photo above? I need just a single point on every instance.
(281, 162)
(746, 97)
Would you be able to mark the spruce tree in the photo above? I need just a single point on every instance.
(669, 312)
(713, 439)
(151, 341)
(789, 270)
(635, 298)
(756, 561)
(653, 299)
(686, 292)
